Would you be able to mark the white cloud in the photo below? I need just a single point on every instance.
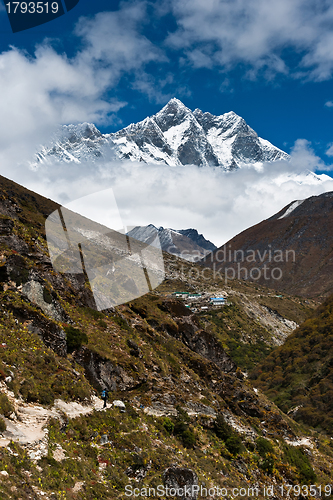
(319, 58)
(329, 151)
(329, 104)
(304, 158)
(224, 33)
(216, 203)
(40, 91)
(113, 38)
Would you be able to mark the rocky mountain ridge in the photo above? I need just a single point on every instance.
(174, 136)
(186, 243)
(296, 242)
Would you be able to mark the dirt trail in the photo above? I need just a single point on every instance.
(27, 424)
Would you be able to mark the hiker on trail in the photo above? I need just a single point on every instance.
(104, 396)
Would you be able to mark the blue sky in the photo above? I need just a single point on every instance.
(113, 63)
(271, 63)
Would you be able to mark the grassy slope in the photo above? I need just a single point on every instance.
(166, 368)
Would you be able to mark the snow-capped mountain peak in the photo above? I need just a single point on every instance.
(173, 136)
(184, 137)
(172, 114)
(187, 243)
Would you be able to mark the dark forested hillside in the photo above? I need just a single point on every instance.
(298, 375)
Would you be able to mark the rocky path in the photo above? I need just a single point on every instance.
(27, 424)
(279, 327)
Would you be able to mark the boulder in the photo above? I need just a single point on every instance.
(179, 478)
(118, 403)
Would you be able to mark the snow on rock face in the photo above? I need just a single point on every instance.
(187, 243)
(198, 138)
(75, 143)
(173, 136)
(292, 207)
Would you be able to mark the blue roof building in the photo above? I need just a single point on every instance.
(217, 301)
